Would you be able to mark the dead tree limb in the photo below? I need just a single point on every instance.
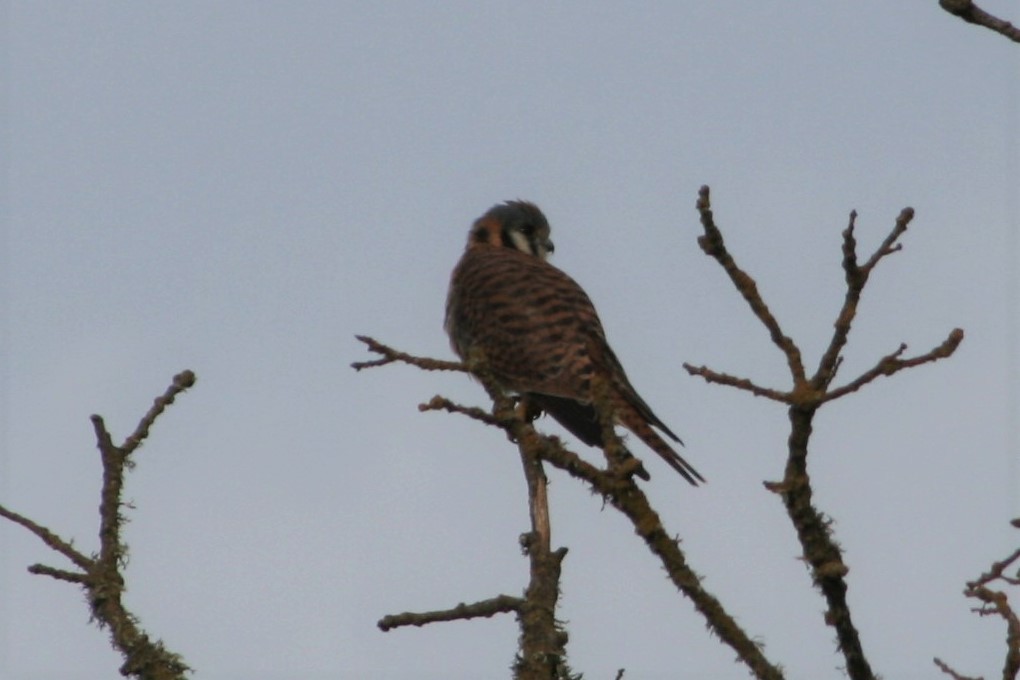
(614, 483)
(100, 575)
(806, 395)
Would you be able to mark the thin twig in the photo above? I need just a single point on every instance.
(996, 602)
(59, 574)
(440, 403)
(181, 382)
(740, 383)
(948, 670)
(502, 604)
(891, 363)
(391, 355)
(856, 277)
(55, 542)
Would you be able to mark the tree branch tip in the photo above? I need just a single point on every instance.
(957, 7)
(185, 379)
(948, 670)
(58, 574)
(435, 403)
(704, 198)
(368, 340)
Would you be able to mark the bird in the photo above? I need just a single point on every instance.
(538, 334)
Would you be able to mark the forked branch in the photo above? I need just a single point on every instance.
(996, 603)
(804, 397)
(614, 483)
(101, 576)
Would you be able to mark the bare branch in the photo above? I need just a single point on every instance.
(740, 383)
(59, 574)
(996, 602)
(49, 538)
(891, 363)
(502, 604)
(440, 403)
(100, 576)
(111, 551)
(856, 278)
(616, 485)
(820, 550)
(181, 382)
(948, 670)
(625, 495)
(712, 243)
(391, 355)
(971, 13)
(543, 641)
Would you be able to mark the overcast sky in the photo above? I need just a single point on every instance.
(240, 188)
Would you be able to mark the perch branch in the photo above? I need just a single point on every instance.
(616, 485)
(627, 497)
(439, 403)
(543, 641)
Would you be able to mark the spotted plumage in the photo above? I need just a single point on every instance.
(539, 334)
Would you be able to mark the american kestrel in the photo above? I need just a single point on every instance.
(538, 333)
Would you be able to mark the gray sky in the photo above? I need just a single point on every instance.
(239, 188)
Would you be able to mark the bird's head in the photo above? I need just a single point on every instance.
(514, 224)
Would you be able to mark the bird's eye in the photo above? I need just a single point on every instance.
(528, 229)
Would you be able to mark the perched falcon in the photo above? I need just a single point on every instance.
(539, 334)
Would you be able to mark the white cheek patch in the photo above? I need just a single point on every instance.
(522, 243)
